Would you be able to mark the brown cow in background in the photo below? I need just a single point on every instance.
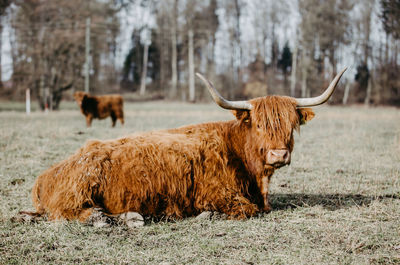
(219, 166)
(100, 107)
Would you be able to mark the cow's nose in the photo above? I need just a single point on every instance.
(278, 157)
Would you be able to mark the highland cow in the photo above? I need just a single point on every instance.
(218, 166)
(100, 107)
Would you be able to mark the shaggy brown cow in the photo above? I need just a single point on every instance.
(100, 107)
(218, 166)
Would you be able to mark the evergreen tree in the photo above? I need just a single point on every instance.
(391, 17)
(285, 60)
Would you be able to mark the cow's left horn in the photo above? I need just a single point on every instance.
(309, 102)
(226, 104)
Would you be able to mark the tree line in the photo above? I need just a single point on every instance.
(248, 48)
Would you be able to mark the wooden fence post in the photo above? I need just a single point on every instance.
(28, 101)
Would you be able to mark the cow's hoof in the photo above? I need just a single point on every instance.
(98, 219)
(132, 219)
(219, 216)
(267, 209)
(207, 215)
(22, 218)
(101, 224)
(26, 217)
(204, 216)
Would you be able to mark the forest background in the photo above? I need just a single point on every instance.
(148, 49)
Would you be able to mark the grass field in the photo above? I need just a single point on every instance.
(337, 203)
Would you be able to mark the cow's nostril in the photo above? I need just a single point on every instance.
(285, 156)
(261, 150)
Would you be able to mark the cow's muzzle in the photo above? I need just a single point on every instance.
(278, 157)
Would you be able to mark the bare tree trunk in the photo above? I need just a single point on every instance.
(192, 93)
(304, 72)
(293, 74)
(346, 92)
(161, 41)
(332, 59)
(367, 33)
(274, 49)
(395, 54)
(144, 70)
(44, 94)
(51, 87)
(1, 44)
(264, 50)
(210, 58)
(174, 81)
(367, 26)
(238, 49)
(387, 49)
(41, 94)
(87, 54)
(368, 94)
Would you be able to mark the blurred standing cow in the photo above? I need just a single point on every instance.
(100, 107)
(219, 166)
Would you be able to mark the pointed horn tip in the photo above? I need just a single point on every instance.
(339, 75)
(310, 102)
(202, 77)
(343, 70)
(199, 75)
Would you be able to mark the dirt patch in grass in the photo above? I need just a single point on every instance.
(337, 203)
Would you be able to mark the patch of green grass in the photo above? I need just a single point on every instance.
(337, 203)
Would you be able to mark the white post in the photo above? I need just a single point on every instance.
(28, 101)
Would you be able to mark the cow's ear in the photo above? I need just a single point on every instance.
(306, 114)
(242, 116)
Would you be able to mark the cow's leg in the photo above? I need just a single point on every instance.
(89, 119)
(241, 208)
(231, 202)
(263, 184)
(119, 114)
(113, 119)
(121, 118)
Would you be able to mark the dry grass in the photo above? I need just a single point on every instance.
(338, 203)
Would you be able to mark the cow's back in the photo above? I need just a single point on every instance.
(110, 105)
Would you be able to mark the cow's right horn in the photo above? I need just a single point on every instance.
(226, 104)
(309, 102)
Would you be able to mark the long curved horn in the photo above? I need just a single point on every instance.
(309, 102)
(226, 104)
